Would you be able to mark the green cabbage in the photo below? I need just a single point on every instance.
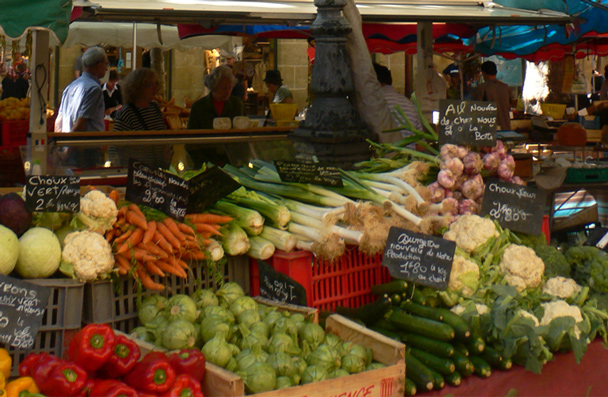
(285, 325)
(284, 382)
(314, 373)
(213, 311)
(374, 365)
(326, 356)
(242, 304)
(204, 297)
(272, 317)
(261, 328)
(179, 334)
(181, 307)
(353, 363)
(157, 325)
(157, 300)
(337, 373)
(259, 377)
(147, 313)
(312, 333)
(250, 338)
(299, 320)
(284, 343)
(248, 357)
(282, 363)
(9, 250)
(210, 326)
(332, 340)
(142, 333)
(39, 253)
(249, 317)
(217, 350)
(229, 292)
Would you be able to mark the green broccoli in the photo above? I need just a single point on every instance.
(598, 271)
(555, 261)
(581, 256)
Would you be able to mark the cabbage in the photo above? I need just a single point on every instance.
(283, 382)
(198, 343)
(326, 356)
(250, 338)
(229, 292)
(312, 333)
(353, 363)
(157, 300)
(249, 317)
(147, 313)
(248, 357)
(51, 220)
(9, 250)
(282, 363)
(181, 307)
(332, 340)
(337, 373)
(314, 373)
(258, 378)
(285, 325)
(212, 311)
(235, 349)
(39, 253)
(260, 328)
(179, 334)
(142, 333)
(284, 343)
(264, 309)
(299, 365)
(272, 317)
(232, 365)
(374, 365)
(298, 319)
(242, 304)
(211, 325)
(157, 325)
(358, 350)
(204, 297)
(217, 350)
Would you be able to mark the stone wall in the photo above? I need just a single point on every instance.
(292, 61)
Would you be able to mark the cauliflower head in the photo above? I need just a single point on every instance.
(529, 315)
(561, 308)
(464, 276)
(521, 267)
(87, 256)
(480, 307)
(471, 231)
(561, 287)
(97, 213)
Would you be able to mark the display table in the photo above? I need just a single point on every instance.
(560, 377)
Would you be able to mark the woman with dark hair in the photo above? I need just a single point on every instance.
(141, 113)
(112, 97)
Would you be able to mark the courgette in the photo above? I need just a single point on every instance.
(392, 287)
(463, 364)
(415, 295)
(506, 363)
(475, 344)
(442, 365)
(453, 379)
(396, 299)
(385, 324)
(491, 356)
(459, 346)
(410, 387)
(482, 368)
(369, 313)
(421, 310)
(460, 325)
(418, 373)
(438, 381)
(422, 326)
(436, 347)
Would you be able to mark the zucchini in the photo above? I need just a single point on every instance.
(410, 387)
(392, 287)
(423, 326)
(385, 324)
(459, 346)
(460, 325)
(396, 299)
(414, 294)
(436, 347)
(442, 365)
(438, 381)
(368, 313)
(463, 364)
(386, 332)
(418, 373)
(475, 344)
(482, 368)
(491, 356)
(421, 310)
(505, 364)
(453, 379)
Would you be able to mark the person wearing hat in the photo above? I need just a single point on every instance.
(279, 92)
(452, 75)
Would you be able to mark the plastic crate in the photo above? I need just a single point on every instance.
(582, 175)
(103, 305)
(346, 282)
(14, 133)
(11, 164)
(61, 320)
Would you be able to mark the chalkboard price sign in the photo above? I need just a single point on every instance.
(157, 189)
(209, 187)
(50, 193)
(279, 287)
(515, 207)
(467, 123)
(315, 173)
(22, 307)
(419, 258)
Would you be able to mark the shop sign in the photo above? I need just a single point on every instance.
(467, 123)
(208, 187)
(279, 287)
(314, 173)
(51, 193)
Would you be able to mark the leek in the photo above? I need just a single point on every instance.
(353, 236)
(215, 250)
(234, 241)
(278, 214)
(248, 219)
(322, 214)
(260, 248)
(392, 180)
(281, 239)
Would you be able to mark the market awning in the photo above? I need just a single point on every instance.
(17, 16)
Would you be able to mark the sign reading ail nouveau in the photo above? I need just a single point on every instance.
(515, 207)
(467, 123)
(419, 258)
(22, 306)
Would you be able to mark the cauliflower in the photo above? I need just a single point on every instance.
(86, 256)
(561, 308)
(561, 287)
(521, 267)
(464, 276)
(529, 315)
(98, 212)
(471, 231)
(481, 309)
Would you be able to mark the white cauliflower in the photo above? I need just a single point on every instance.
(464, 276)
(527, 314)
(481, 309)
(98, 212)
(471, 231)
(87, 256)
(562, 287)
(561, 308)
(521, 267)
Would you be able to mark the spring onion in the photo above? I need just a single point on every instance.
(248, 219)
(215, 250)
(352, 236)
(281, 239)
(260, 248)
(278, 214)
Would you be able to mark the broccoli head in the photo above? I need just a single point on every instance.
(598, 271)
(532, 241)
(555, 261)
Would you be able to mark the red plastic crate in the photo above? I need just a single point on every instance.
(11, 164)
(346, 282)
(14, 133)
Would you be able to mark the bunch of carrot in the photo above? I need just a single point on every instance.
(146, 248)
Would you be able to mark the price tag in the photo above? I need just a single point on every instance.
(515, 207)
(22, 306)
(279, 287)
(51, 193)
(209, 187)
(157, 189)
(467, 123)
(315, 173)
(419, 258)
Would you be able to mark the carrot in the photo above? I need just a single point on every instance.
(147, 281)
(136, 209)
(122, 211)
(162, 242)
(140, 254)
(123, 236)
(131, 241)
(153, 269)
(176, 262)
(194, 254)
(208, 218)
(122, 271)
(110, 235)
(123, 262)
(114, 195)
(173, 228)
(135, 219)
(175, 270)
(150, 232)
(205, 227)
(187, 230)
(164, 230)
(153, 249)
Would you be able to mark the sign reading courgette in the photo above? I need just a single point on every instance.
(420, 258)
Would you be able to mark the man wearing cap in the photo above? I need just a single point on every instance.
(495, 91)
(280, 93)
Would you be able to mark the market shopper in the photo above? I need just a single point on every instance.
(16, 83)
(112, 97)
(278, 91)
(496, 91)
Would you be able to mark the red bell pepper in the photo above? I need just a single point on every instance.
(92, 346)
(189, 361)
(32, 361)
(156, 376)
(112, 388)
(147, 394)
(59, 378)
(184, 386)
(155, 356)
(86, 390)
(123, 358)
